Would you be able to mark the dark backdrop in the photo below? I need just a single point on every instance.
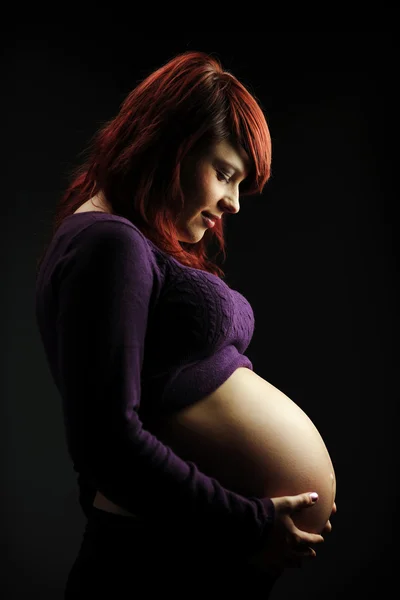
(316, 256)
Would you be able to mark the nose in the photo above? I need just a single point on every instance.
(231, 202)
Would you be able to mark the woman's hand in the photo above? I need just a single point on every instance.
(286, 545)
(296, 563)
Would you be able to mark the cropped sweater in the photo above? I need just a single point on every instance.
(130, 333)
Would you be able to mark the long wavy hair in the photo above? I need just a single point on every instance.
(135, 158)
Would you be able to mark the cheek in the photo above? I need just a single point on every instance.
(209, 188)
(201, 192)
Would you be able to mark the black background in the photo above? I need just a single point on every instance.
(316, 255)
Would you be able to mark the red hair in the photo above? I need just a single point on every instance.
(135, 158)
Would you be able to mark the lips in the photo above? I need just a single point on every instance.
(208, 221)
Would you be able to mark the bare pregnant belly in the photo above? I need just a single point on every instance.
(257, 442)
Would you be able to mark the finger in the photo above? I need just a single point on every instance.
(303, 551)
(334, 508)
(327, 528)
(304, 537)
(308, 553)
(308, 499)
(297, 503)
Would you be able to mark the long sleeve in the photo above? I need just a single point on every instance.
(104, 287)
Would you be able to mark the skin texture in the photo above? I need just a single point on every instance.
(209, 185)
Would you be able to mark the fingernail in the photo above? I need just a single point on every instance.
(314, 496)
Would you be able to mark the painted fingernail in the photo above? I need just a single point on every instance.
(314, 496)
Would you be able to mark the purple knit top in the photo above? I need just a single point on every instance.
(131, 334)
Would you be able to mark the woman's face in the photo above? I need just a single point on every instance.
(210, 183)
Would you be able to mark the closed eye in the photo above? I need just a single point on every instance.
(222, 176)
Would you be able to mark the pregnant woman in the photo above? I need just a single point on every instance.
(195, 474)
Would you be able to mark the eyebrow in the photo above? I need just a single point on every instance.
(228, 164)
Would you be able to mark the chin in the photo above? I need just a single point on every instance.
(191, 241)
(190, 237)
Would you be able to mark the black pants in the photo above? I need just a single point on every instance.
(120, 555)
